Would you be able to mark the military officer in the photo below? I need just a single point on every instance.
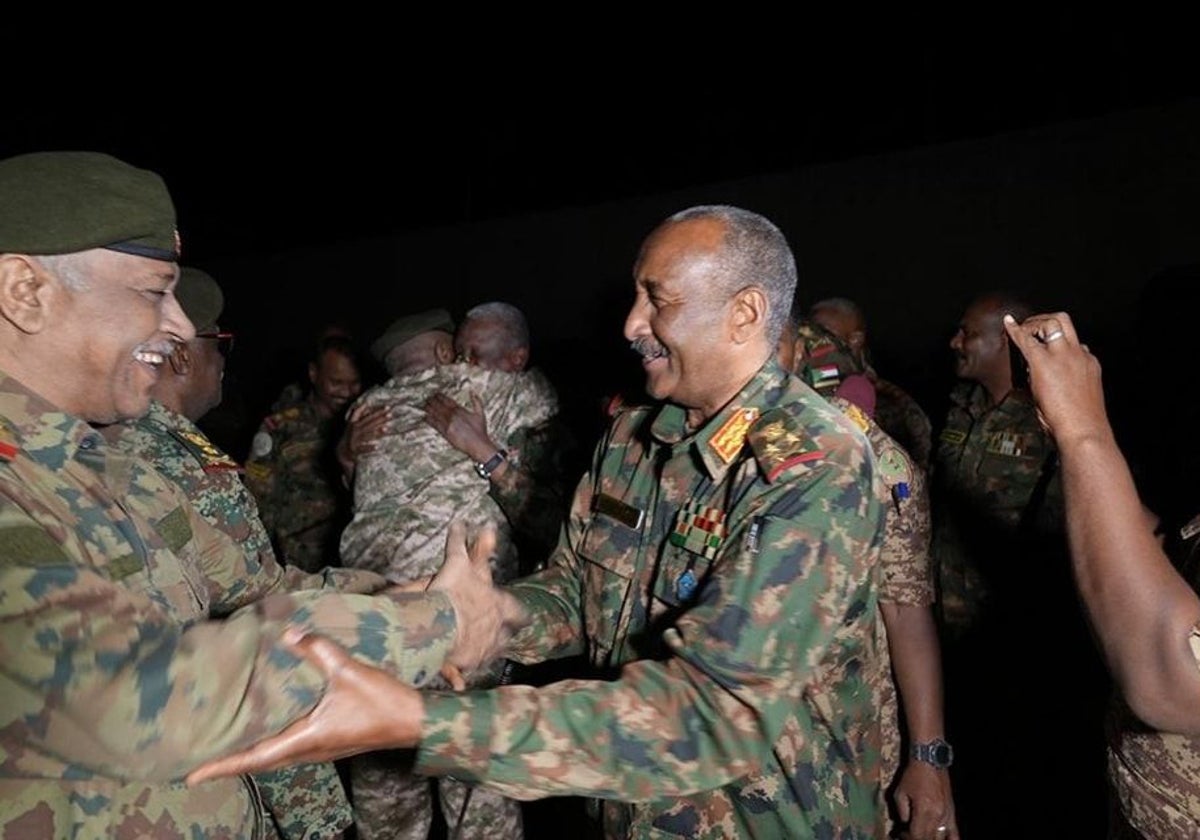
(718, 568)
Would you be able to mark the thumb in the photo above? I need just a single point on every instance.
(454, 676)
(482, 550)
(1017, 335)
(456, 555)
(476, 403)
(903, 807)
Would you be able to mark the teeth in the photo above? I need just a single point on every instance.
(648, 348)
(149, 357)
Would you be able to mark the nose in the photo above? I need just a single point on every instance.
(956, 340)
(174, 321)
(637, 322)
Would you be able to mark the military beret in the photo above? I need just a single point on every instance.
(410, 326)
(63, 202)
(200, 297)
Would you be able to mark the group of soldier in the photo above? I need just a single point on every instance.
(761, 572)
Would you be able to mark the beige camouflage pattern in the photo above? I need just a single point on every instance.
(292, 472)
(732, 697)
(997, 486)
(407, 490)
(301, 802)
(414, 483)
(115, 684)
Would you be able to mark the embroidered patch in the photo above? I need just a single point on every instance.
(954, 437)
(261, 445)
(727, 441)
(202, 449)
(859, 417)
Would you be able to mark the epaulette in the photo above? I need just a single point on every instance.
(274, 421)
(8, 443)
(780, 442)
(203, 450)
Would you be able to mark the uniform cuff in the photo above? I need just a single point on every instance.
(456, 735)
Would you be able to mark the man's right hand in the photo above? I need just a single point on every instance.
(487, 615)
(365, 424)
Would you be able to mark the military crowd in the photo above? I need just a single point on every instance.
(779, 591)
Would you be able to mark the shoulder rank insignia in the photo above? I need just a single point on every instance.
(893, 466)
(202, 449)
(727, 441)
(699, 529)
(274, 421)
(952, 436)
(825, 376)
(782, 443)
(1191, 529)
(858, 416)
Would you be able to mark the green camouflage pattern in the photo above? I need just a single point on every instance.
(413, 483)
(407, 491)
(305, 801)
(292, 473)
(115, 684)
(733, 703)
(996, 490)
(903, 419)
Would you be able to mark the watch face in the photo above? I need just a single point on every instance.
(942, 755)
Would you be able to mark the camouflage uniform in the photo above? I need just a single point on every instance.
(292, 473)
(907, 575)
(406, 493)
(110, 690)
(1156, 775)
(901, 417)
(306, 801)
(997, 490)
(733, 588)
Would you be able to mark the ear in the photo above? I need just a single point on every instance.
(444, 352)
(519, 358)
(748, 316)
(181, 359)
(858, 340)
(26, 293)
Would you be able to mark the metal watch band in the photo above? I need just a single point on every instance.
(486, 468)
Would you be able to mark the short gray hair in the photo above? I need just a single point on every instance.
(69, 268)
(754, 253)
(514, 329)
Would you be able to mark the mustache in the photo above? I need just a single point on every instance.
(647, 347)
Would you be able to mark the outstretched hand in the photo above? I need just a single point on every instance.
(363, 709)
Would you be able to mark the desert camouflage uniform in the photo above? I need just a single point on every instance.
(902, 418)
(1156, 775)
(407, 490)
(997, 490)
(726, 579)
(292, 472)
(305, 801)
(114, 685)
(907, 575)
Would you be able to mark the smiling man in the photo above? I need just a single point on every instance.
(716, 569)
(115, 681)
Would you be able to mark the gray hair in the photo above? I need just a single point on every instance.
(843, 306)
(71, 269)
(754, 253)
(514, 330)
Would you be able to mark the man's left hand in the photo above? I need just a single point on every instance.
(363, 709)
(924, 801)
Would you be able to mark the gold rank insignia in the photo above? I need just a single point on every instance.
(859, 417)
(700, 530)
(953, 436)
(727, 441)
(202, 449)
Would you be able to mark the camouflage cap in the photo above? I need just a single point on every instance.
(410, 326)
(200, 297)
(63, 202)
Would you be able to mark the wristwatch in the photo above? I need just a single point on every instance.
(936, 752)
(486, 468)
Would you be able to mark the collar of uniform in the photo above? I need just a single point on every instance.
(42, 431)
(670, 426)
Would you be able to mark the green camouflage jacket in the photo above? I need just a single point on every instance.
(724, 582)
(306, 801)
(905, 422)
(293, 474)
(114, 684)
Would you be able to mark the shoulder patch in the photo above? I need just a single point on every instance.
(953, 436)
(261, 445)
(780, 443)
(727, 441)
(30, 545)
(893, 466)
(203, 450)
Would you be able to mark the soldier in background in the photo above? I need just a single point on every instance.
(896, 412)
(408, 486)
(292, 469)
(306, 801)
(116, 680)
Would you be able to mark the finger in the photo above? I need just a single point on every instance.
(903, 807)
(481, 551)
(1020, 335)
(265, 755)
(326, 654)
(476, 403)
(457, 554)
(454, 677)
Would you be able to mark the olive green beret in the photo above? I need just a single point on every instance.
(411, 326)
(63, 202)
(200, 297)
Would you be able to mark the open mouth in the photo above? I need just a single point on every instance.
(649, 349)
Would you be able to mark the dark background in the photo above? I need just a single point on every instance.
(351, 169)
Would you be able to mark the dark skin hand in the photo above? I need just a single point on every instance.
(463, 429)
(364, 426)
(365, 708)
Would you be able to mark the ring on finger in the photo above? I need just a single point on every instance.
(1054, 336)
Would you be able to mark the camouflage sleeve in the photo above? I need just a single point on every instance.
(260, 478)
(905, 559)
(740, 660)
(98, 675)
(532, 494)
